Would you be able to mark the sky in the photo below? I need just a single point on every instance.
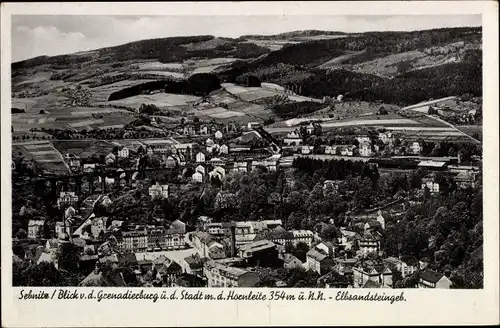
(36, 35)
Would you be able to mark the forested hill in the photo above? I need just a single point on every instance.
(395, 67)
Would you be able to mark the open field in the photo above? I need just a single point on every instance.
(162, 74)
(71, 118)
(272, 44)
(157, 66)
(47, 158)
(102, 93)
(337, 61)
(161, 100)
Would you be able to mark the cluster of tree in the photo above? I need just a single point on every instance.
(143, 88)
(197, 84)
(135, 130)
(109, 79)
(296, 109)
(444, 148)
(231, 49)
(335, 169)
(290, 35)
(447, 231)
(150, 49)
(428, 83)
(295, 277)
(316, 52)
(15, 110)
(149, 109)
(62, 60)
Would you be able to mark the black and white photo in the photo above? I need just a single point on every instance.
(337, 153)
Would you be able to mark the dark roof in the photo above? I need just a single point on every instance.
(194, 262)
(289, 258)
(130, 258)
(431, 276)
(317, 254)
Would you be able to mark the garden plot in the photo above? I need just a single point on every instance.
(85, 123)
(227, 114)
(401, 121)
(257, 93)
(23, 103)
(71, 146)
(233, 88)
(223, 97)
(211, 111)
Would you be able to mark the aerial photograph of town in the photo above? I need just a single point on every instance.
(297, 156)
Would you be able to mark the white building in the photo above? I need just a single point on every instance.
(386, 137)
(109, 181)
(363, 139)
(431, 185)
(310, 128)
(218, 135)
(35, 228)
(124, 152)
(158, 191)
(253, 125)
(67, 198)
(305, 150)
(197, 177)
(302, 236)
(209, 142)
(415, 148)
(217, 162)
(200, 169)
(240, 167)
(365, 149)
(89, 168)
(204, 130)
(59, 228)
(223, 149)
(293, 138)
(110, 159)
(200, 158)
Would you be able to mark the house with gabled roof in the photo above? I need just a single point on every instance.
(432, 279)
(373, 271)
(318, 260)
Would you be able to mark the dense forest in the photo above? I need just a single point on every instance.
(296, 64)
(376, 43)
(198, 85)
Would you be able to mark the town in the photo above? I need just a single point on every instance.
(308, 190)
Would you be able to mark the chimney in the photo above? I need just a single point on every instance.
(233, 240)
